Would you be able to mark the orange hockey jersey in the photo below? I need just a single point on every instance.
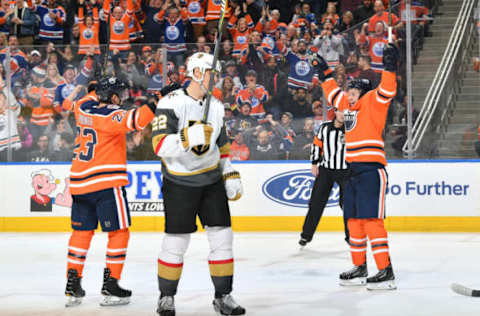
(119, 29)
(100, 152)
(214, 8)
(375, 50)
(240, 39)
(365, 120)
(88, 35)
(196, 11)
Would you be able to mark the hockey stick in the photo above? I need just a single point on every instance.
(463, 290)
(390, 29)
(214, 63)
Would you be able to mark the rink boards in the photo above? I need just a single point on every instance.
(421, 196)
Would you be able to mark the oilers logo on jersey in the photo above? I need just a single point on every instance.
(48, 21)
(87, 34)
(118, 27)
(377, 48)
(194, 7)
(350, 119)
(172, 32)
(302, 68)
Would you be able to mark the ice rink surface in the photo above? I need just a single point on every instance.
(272, 276)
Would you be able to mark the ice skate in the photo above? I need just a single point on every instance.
(383, 280)
(166, 306)
(113, 294)
(74, 291)
(303, 242)
(357, 276)
(226, 305)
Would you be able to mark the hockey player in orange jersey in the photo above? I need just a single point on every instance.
(365, 113)
(98, 177)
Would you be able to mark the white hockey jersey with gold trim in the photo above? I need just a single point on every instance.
(200, 165)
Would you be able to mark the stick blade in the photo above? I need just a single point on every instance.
(463, 290)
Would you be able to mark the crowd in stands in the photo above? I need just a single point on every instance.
(54, 50)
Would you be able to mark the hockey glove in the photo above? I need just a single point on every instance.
(195, 135)
(231, 179)
(317, 62)
(390, 58)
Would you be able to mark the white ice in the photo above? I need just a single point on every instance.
(272, 276)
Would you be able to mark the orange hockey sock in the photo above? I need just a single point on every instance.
(378, 240)
(117, 251)
(77, 249)
(358, 241)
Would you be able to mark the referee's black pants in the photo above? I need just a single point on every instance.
(321, 191)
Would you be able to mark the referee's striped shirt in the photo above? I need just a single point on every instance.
(328, 148)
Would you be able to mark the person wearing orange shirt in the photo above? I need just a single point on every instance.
(382, 15)
(239, 150)
(365, 113)
(374, 44)
(119, 25)
(98, 177)
(240, 29)
(89, 30)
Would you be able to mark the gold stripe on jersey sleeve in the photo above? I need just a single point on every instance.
(225, 150)
(156, 140)
(176, 173)
(184, 138)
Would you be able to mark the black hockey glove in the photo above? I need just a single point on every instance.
(317, 62)
(171, 87)
(390, 58)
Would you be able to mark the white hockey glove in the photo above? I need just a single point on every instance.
(231, 178)
(195, 135)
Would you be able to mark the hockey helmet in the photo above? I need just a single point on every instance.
(363, 85)
(107, 87)
(203, 62)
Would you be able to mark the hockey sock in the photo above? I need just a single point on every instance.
(357, 241)
(77, 249)
(220, 259)
(170, 262)
(378, 240)
(117, 251)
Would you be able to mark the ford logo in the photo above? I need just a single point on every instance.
(293, 188)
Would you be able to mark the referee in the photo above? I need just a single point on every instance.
(328, 166)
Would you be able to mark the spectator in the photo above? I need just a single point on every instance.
(275, 82)
(382, 16)
(119, 30)
(263, 146)
(9, 110)
(65, 148)
(239, 150)
(243, 120)
(52, 19)
(151, 8)
(5, 12)
(146, 55)
(240, 30)
(228, 90)
(21, 22)
(374, 44)
(26, 138)
(318, 118)
(19, 64)
(89, 30)
(254, 10)
(286, 122)
(301, 73)
(366, 72)
(196, 15)
(299, 105)
(303, 141)
(35, 59)
(53, 78)
(226, 51)
(42, 154)
(329, 45)
(154, 71)
(331, 15)
(40, 100)
(173, 26)
(253, 94)
(133, 70)
(54, 132)
(364, 11)
(231, 71)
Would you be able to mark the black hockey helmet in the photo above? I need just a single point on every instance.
(363, 85)
(107, 87)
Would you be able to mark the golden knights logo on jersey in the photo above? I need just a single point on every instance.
(350, 118)
(200, 149)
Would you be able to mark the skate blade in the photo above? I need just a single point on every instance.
(354, 282)
(73, 301)
(385, 285)
(114, 301)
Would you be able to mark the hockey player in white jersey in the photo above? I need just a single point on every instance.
(198, 179)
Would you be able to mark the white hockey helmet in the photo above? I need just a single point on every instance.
(203, 62)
